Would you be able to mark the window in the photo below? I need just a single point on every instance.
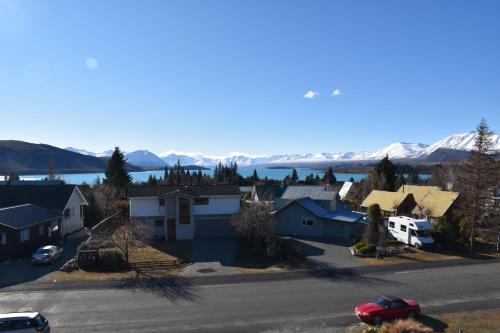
(184, 211)
(159, 223)
(399, 303)
(307, 222)
(403, 228)
(25, 235)
(391, 224)
(41, 230)
(81, 210)
(67, 213)
(3, 238)
(200, 201)
(161, 202)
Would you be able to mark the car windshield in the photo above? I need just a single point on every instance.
(422, 233)
(383, 302)
(43, 251)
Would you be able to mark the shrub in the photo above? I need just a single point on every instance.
(404, 326)
(359, 245)
(391, 242)
(111, 259)
(282, 249)
(368, 248)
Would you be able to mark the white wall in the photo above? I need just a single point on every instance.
(146, 207)
(184, 231)
(218, 205)
(74, 222)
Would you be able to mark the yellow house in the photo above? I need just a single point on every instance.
(391, 203)
(431, 202)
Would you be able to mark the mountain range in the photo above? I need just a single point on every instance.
(453, 146)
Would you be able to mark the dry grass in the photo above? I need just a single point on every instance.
(481, 321)
(407, 258)
(81, 275)
(404, 326)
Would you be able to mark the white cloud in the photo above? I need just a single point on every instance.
(336, 92)
(311, 94)
(91, 63)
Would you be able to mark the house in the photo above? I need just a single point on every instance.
(185, 212)
(24, 228)
(63, 200)
(431, 202)
(307, 217)
(267, 192)
(391, 203)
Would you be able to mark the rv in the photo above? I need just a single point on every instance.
(411, 231)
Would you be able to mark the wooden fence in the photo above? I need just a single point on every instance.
(154, 265)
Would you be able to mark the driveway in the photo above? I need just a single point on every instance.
(21, 271)
(212, 256)
(327, 253)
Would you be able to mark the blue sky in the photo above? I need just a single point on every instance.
(222, 76)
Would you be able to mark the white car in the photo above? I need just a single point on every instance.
(23, 322)
(46, 255)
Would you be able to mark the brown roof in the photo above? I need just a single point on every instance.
(199, 190)
(418, 191)
(435, 203)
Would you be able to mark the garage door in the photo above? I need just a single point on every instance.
(334, 230)
(214, 228)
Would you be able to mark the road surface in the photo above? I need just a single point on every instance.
(321, 302)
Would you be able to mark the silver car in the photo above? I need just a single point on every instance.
(46, 255)
(23, 322)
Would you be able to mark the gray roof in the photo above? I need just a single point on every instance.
(23, 216)
(337, 215)
(194, 190)
(245, 189)
(312, 191)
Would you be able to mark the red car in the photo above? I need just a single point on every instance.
(387, 308)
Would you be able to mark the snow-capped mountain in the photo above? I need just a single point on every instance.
(144, 158)
(398, 150)
(464, 141)
(80, 151)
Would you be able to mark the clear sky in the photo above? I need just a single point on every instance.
(259, 77)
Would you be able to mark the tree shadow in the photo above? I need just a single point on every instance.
(166, 287)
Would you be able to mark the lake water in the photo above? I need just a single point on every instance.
(90, 178)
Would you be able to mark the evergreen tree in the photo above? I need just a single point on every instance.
(329, 176)
(384, 175)
(351, 180)
(295, 176)
(400, 181)
(116, 174)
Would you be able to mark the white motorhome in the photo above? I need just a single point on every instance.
(411, 231)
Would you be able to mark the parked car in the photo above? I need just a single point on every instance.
(46, 255)
(387, 308)
(23, 322)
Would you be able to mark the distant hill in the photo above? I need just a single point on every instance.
(29, 158)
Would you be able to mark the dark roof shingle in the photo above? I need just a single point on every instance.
(50, 197)
(23, 216)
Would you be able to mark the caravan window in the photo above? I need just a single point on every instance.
(391, 224)
(403, 228)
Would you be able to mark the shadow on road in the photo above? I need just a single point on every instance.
(161, 286)
(349, 274)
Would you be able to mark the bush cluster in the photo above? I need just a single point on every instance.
(391, 242)
(283, 250)
(364, 248)
(111, 259)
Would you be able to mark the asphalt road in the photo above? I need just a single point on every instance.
(288, 305)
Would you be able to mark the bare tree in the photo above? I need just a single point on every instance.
(477, 179)
(131, 235)
(256, 223)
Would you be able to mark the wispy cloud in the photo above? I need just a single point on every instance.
(336, 92)
(311, 94)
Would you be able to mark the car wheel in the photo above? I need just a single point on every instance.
(377, 321)
(412, 315)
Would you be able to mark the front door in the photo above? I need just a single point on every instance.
(171, 229)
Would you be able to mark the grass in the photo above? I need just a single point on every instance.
(157, 251)
(408, 258)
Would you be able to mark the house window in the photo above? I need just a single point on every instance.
(81, 210)
(25, 235)
(391, 224)
(159, 223)
(200, 201)
(184, 211)
(3, 238)
(307, 222)
(67, 213)
(41, 230)
(403, 228)
(161, 202)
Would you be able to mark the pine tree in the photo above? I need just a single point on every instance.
(116, 174)
(295, 176)
(384, 175)
(477, 178)
(329, 176)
